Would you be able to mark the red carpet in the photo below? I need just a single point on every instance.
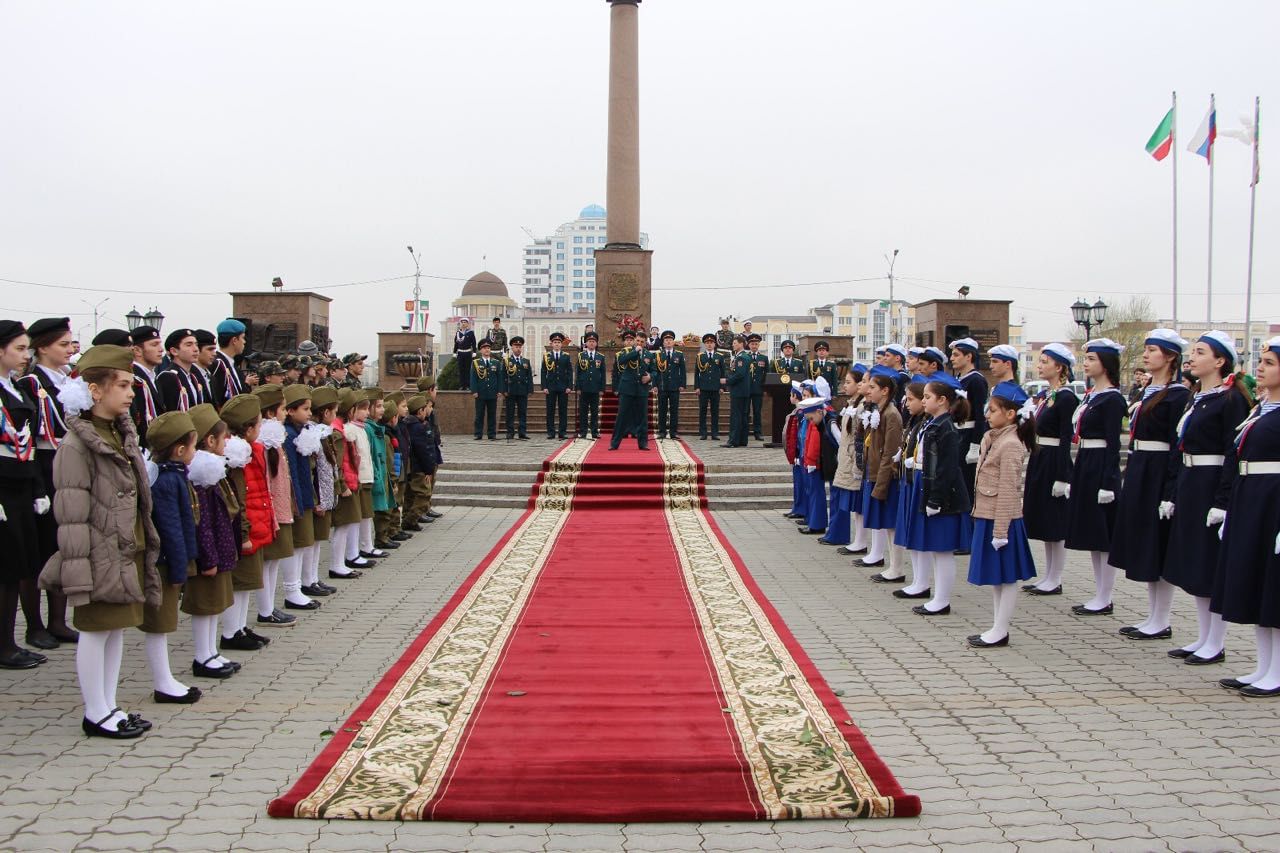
(610, 660)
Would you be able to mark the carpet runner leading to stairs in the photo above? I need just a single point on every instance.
(610, 660)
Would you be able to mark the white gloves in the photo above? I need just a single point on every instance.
(3, 517)
(909, 463)
(42, 505)
(1165, 510)
(1060, 489)
(998, 543)
(972, 456)
(1106, 497)
(1215, 516)
(1278, 543)
(932, 510)
(897, 457)
(811, 468)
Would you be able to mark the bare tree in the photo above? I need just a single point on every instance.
(1127, 324)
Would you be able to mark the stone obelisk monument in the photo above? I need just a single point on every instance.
(623, 269)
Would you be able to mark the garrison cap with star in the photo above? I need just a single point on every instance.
(372, 393)
(269, 396)
(168, 429)
(241, 410)
(106, 355)
(205, 417)
(416, 402)
(347, 400)
(395, 398)
(426, 383)
(296, 393)
(325, 395)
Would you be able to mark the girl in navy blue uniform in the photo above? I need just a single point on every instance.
(1095, 478)
(909, 532)
(1001, 552)
(1247, 585)
(1144, 507)
(943, 505)
(1206, 434)
(1044, 498)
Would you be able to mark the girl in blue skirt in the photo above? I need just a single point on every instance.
(791, 448)
(943, 505)
(1000, 552)
(846, 488)
(908, 532)
(883, 442)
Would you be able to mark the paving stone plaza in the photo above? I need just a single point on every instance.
(1072, 738)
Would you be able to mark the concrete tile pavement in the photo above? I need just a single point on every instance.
(1070, 739)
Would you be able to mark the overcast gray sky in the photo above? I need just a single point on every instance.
(156, 148)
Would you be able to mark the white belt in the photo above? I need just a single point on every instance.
(44, 444)
(1093, 444)
(1251, 468)
(1150, 446)
(1048, 441)
(1202, 460)
(965, 425)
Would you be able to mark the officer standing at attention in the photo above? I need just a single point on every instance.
(557, 379)
(787, 366)
(515, 386)
(738, 378)
(671, 377)
(633, 392)
(590, 383)
(484, 388)
(822, 365)
(497, 337)
(759, 367)
(709, 373)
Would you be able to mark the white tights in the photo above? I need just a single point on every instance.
(236, 617)
(1212, 635)
(859, 534)
(1159, 607)
(944, 578)
(366, 534)
(267, 595)
(1004, 598)
(1104, 581)
(98, 658)
(291, 576)
(921, 572)
(311, 565)
(340, 541)
(204, 634)
(162, 678)
(1055, 560)
(1268, 679)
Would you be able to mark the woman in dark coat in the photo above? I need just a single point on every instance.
(1144, 510)
(1247, 584)
(1095, 478)
(1044, 497)
(1206, 435)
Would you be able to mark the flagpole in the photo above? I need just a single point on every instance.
(1208, 309)
(1253, 200)
(1173, 146)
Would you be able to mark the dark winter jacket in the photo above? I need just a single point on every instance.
(171, 510)
(943, 478)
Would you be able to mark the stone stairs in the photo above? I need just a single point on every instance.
(502, 474)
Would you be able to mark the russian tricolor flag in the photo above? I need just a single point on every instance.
(1206, 134)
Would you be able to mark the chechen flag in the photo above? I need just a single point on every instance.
(1162, 140)
(1206, 135)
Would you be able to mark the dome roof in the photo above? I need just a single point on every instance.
(484, 284)
(592, 211)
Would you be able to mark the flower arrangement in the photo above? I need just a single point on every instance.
(632, 324)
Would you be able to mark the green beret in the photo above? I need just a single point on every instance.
(295, 394)
(417, 402)
(240, 411)
(346, 401)
(373, 393)
(325, 395)
(205, 417)
(269, 396)
(426, 383)
(106, 355)
(168, 429)
(395, 397)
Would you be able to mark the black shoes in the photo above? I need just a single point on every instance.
(375, 554)
(358, 563)
(1258, 693)
(825, 541)
(793, 515)
(351, 575)
(1081, 610)
(402, 536)
(22, 659)
(192, 696)
(1196, 660)
(880, 578)
(865, 565)
(846, 551)
(241, 642)
(902, 593)
(413, 527)
(1180, 653)
(426, 519)
(431, 513)
(809, 531)
(310, 605)
(1035, 590)
(386, 545)
(1232, 684)
(42, 639)
(925, 611)
(203, 670)
(277, 620)
(977, 642)
(1134, 633)
(123, 730)
(318, 590)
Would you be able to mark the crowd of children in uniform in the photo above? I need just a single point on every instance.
(215, 513)
(909, 474)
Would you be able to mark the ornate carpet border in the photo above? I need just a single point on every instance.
(804, 764)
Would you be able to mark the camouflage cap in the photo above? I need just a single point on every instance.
(270, 368)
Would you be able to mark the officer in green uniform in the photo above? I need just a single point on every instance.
(516, 383)
(787, 366)
(759, 367)
(484, 388)
(822, 365)
(634, 382)
(709, 378)
(738, 378)
(589, 381)
(670, 377)
(557, 379)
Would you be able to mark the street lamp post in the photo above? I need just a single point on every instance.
(154, 318)
(417, 287)
(1088, 316)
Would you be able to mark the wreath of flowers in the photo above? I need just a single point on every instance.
(632, 324)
